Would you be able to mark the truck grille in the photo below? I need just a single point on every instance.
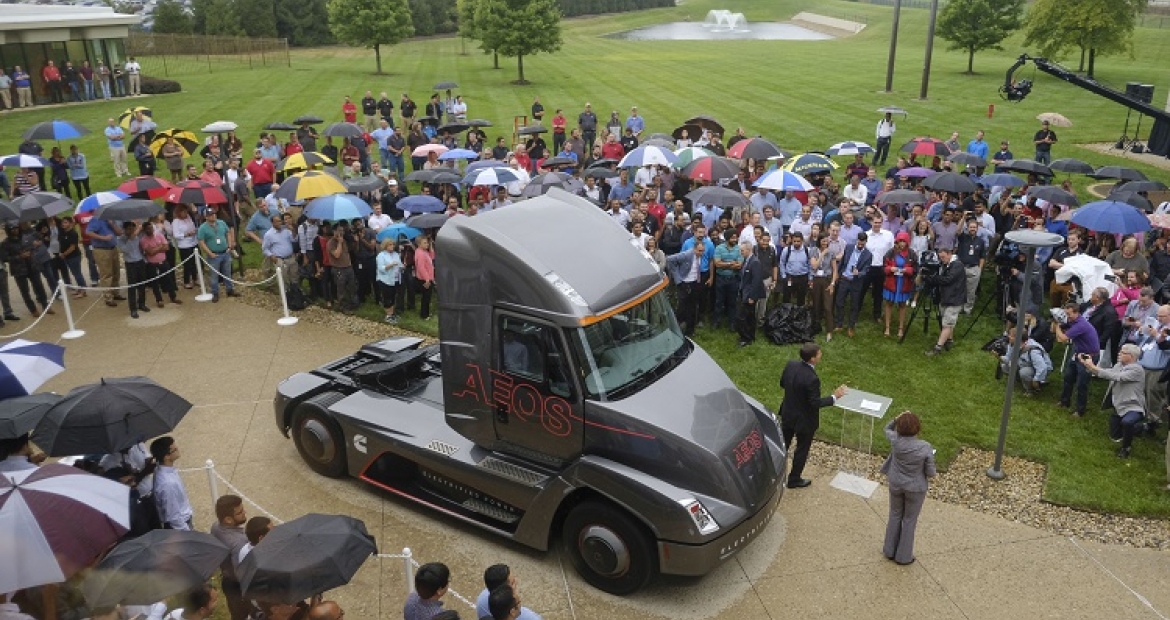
(442, 447)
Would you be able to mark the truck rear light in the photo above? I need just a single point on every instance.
(703, 519)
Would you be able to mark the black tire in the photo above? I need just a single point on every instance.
(595, 534)
(319, 440)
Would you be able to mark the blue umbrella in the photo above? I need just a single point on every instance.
(394, 230)
(421, 204)
(24, 161)
(100, 199)
(1111, 216)
(1001, 180)
(490, 176)
(785, 181)
(55, 130)
(25, 366)
(337, 207)
(459, 154)
(485, 163)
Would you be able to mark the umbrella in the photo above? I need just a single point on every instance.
(343, 130)
(399, 229)
(421, 204)
(1142, 186)
(1112, 217)
(647, 155)
(553, 162)
(915, 172)
(427, 220)
(281, 127)
(55, 130)
(1027, 165)
(754, 148)
(427, 149)
(453, 128)
(150, 186)
(157, 565)
(693, 132)
(784, 180)
(1132, 199)
(1053, 194)
(1002, 180)
(900, 197)
(54, 521)
(109, 416)
(1071, 165)
(427, 120)
(688, 155)
(24, 161)
(435, 175)
(1160, 220)
(926, 146)
(541, 183)
(128, 115)
(308, 119)
(711, 169)
(445, 85)
(718, 197)
(531, 130)
(337, 207)
(308, 185)
(20, 415)
(706, 122)
(219, 127)
(303, 161)
(967, 159)
(810, 163)
(8, 212)
(893, 109)
(457, 154)
(40, 205)
(479, 122)
(1118, 172)
(667, 143)
(600, 173)
(186, 140)
(359, 185)
(305, 557)
(484, 163)
(660, 136)
(496, 175)
(196, 192)
(129, 209)
(848, 148)
(605, 162)
(25, 366)
(1054, 119)
(950, 182)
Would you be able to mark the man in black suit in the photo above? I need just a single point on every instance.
(854, 266)
(800, 410)
(1103, 317)
(751, 291)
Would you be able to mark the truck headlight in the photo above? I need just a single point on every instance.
(703, 519)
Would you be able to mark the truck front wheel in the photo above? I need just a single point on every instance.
(609, 549)
(319, 440)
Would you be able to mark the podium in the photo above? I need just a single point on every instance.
(851, 476)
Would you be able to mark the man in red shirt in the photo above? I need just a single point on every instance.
(262, 172)
(613, 149)
(558, 123)
(52, 76)
(294, 145)
(349, 110)
(522, 158)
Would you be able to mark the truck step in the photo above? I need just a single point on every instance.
(513, 472)
(487, 510)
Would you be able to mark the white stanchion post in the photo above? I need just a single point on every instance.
(203, 294)
(211, 481)
(73, 331)
(287, 319)
(409, 568)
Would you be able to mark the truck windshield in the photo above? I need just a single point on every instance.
(631, 349)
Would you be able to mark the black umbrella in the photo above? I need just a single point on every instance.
(129, 209)
(532, 130)
(453, 128)
(694, 132)
(8, 212)
(901, 196)
(967, 159)
(359, 185)
(659, 142)
(20, 415)
(434, 175)
(41, 205)
(427, 120)
(427, 220)
(604, 162)
(1027, 165)
(343, 130)
(758, 149)
(600, 173)
(949, 182)
(1071, 166)
(1133, 199)
(308, 119)
(1053, 194)
(541, 183)
(281, 127)
(445, 85)
(305, 557)
(1142, 186)
(1118, 172)
(559, 161)
(157, 565)
(718, 197)
(109, 416)
(479, 122)
(706, 122)
(55, 130)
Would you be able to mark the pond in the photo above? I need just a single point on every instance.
(700, 31)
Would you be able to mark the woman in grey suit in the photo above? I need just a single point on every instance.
(910, 463)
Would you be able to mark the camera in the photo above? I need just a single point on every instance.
(1007, 255)
(1084, 357)
(1059, 316)
(929, 263)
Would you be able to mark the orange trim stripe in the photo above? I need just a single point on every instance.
(597, 318)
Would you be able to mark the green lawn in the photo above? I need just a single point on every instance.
(803, 95)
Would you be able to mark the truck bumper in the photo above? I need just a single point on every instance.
(694, 560)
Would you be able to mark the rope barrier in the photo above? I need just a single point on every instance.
(236, 282)
(56, 293)
(118, 288)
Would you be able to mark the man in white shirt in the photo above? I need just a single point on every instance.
(18, 454)
(501, 200)
(198, 604)
(378, 220)
(255, 530)
(644, 177)
(884, 133)
(803, 224)
(134, 460)
(855, 191)
(880, 242)
(134, 70)
(620, 216)
(517, 186)
(170, 496)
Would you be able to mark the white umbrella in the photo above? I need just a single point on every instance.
(25, 366)
(648, 155)
(784, 180)
(495, 175)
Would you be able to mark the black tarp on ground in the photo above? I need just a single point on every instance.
(789, 324)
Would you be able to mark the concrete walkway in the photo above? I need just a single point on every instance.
(819, 558)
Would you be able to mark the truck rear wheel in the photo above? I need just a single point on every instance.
(319, 440)
(609, 549)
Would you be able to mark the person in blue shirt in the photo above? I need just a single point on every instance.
(382, 134)
(794, 270)
(978, 146)
(728, 263)
(635, 123)
(495, 576)
(788, 209)
(567, 152)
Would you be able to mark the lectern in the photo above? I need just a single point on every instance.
(851, 475)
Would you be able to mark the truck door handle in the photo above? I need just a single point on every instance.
(501, 415)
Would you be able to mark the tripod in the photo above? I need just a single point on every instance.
(928, 303)
(1002, 293)
(1124, 141)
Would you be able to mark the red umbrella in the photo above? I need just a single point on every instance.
(755, 148)
(926, 146)
(197, 192)
(711, 169)
(148, 186)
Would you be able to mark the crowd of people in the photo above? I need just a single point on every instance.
(70, 84)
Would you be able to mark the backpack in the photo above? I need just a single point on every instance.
(295, 297)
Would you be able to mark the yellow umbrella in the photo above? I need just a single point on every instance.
(128, 115)
(303, 161)
(309, 185)
(186, 140)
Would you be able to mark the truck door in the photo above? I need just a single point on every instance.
(535, 398)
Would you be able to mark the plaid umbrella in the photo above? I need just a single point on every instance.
(926, 146)
(148, 186)
(186, 140)
(41, 205)
(196, 192)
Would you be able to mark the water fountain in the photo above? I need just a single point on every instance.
(723, 20)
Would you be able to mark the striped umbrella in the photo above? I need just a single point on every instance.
(55, 520)
(755, 148)
(849, 148)
(25, 366)
(648, 155)
(41, 205)
(196, 192)
(187, 140)
(810, 163)
(55, 130)
(926, 146)
(24, 161)
(148, 186)
(309, 185)
(711, 169)
(690, 154)
(128, 115)
(93, 202)
(337, 207)
(303, 161)
(784, 180)
(497, 175)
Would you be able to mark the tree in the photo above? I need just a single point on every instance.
(170, 16)
(519, 28)
(258, 17)
(1093, 26)
(370, 23)
(303, 22)
(466, 20)
(977, 25)
(223, 19)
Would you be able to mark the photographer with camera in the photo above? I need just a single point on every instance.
(1129, 399)
(1070, 326)
(950, 280)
